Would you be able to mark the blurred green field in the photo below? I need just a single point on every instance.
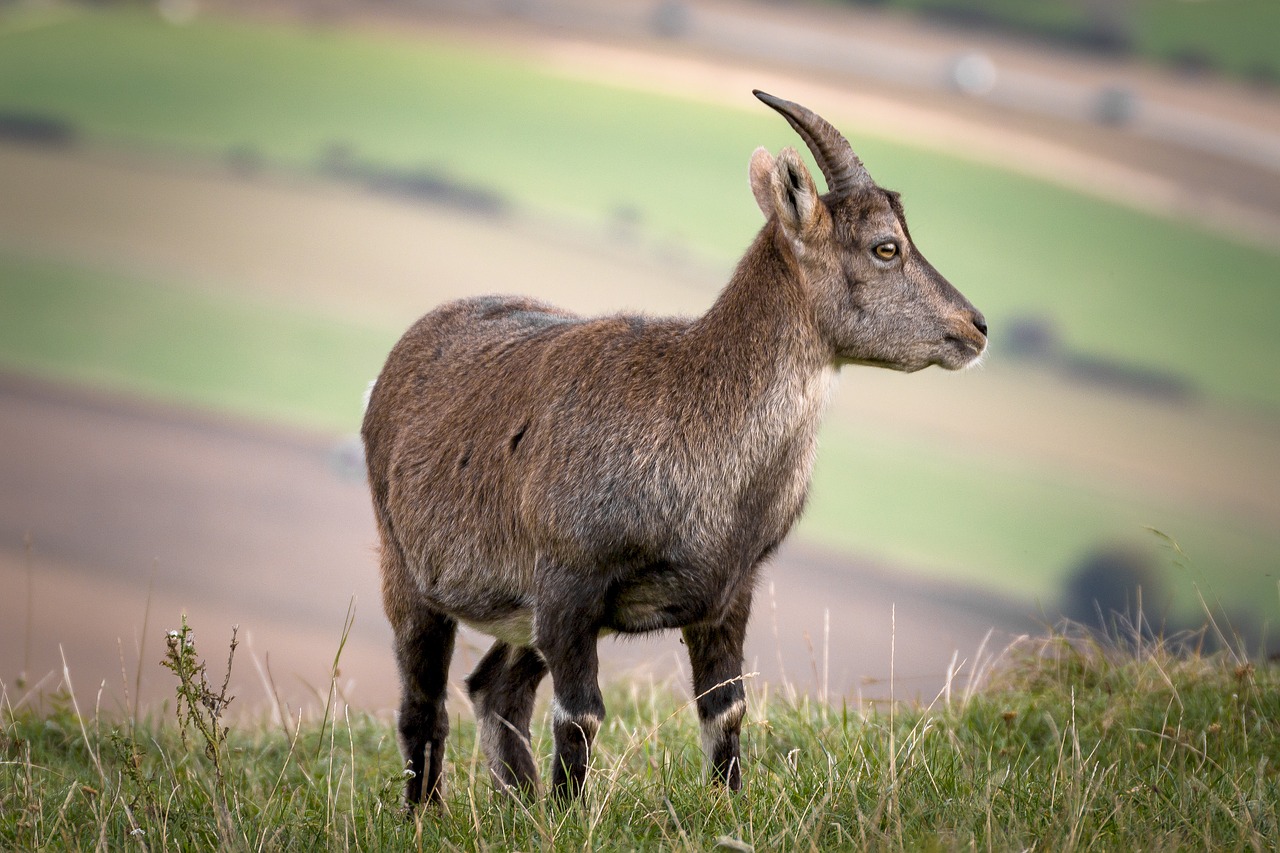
(1114, 282)
(185, 344)
(996, 524)
(1234, 36)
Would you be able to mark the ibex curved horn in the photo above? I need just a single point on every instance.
(840, 166)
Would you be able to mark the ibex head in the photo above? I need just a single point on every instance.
(877, 301)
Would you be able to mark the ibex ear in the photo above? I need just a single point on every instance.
(794, 194)
(761, 180)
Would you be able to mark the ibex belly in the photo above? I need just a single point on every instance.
(667, 597)
(658, 598)
(514, 629)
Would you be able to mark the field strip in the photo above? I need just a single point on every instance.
(359, 256)
(723, 84)
(1190, 454)
(988, 140)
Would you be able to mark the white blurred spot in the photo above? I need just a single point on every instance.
(178, 12)
(973, 73)
(346, 458)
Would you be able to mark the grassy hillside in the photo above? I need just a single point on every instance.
(1071, 745)
(1236, 36)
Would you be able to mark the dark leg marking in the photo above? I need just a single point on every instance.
(424, 647)
(568, 623)
(715, 655)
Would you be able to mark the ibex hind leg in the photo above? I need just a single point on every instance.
(424, 647)
(715, 655)
(502, 689)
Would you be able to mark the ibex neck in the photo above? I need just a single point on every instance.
(756, 372)
(763, 320)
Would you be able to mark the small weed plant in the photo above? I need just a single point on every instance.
(1068, 742)
(198, 706)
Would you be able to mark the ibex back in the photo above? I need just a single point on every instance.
(546, 478)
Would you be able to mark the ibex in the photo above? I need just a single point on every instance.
(547, 478)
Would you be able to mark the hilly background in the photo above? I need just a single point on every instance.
(216, 220)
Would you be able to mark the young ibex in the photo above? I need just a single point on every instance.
(546, 478)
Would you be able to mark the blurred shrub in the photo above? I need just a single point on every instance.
(245, 161)
(36, 129)
(1036, 339)
(1133, 379)
(423, 183)
(625, 221)
(338, 160)
(1098, 27)
(1030, 338)
(670, 18)
(1115, 105)
(1110, 582)
(1192, 62)
(1264, 75)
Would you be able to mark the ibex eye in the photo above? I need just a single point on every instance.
(887, 251)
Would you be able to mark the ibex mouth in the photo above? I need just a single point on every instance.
(886, 364)
(962, 352)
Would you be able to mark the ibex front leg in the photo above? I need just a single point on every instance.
(568, 625)
(715, 654)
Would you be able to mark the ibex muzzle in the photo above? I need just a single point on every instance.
(547, 478)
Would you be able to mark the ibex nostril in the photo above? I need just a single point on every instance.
(980, 323)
